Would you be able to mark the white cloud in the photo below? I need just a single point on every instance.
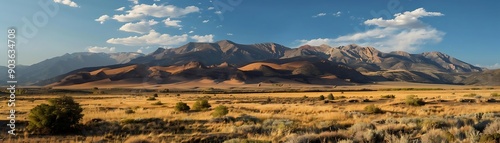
(96, 49)
(140, 50)
(102, 19)
(403, 33)
(134, 1)
(492, 67)
(229, 34)
(67, 2)
(159, 11)
(191, 32)
(337, 14)
(218, 12)
(120, 9)
(139, 27)
(172, 23)
(319, 15)
(206, 21)
(206, 38)
(408, 19)
(152, 38)
(211, 8)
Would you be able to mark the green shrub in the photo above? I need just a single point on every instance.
(373, 109)
(495, 95)
(330, 97)
(321, 97)
(151, 99)
(470, 95)
(155, 95)
(201, 105)
(59, 116)
(181, 107)
(388, 96)
(414, 101)
(490, 138)
(157, 103)
(220, 111)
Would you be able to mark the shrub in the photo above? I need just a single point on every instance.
(434, 136)
(151, 99)
(470, 95)
(268, 99)
(155, 95)
(181, 107)
(201, 105)
(330, 97)
(414, 101)
(321, 97)
(388, 96)
(157, 103)
(220, 111)
(495, 95)
(373, 109)
(129, 111)
(492, 128)
(490, 138)
(59, 116)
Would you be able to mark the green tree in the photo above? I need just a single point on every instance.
(59, 116)
(330, 96)
(321, 97)
(181, 107)
(220, 111)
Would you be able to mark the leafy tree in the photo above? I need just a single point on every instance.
(330, 97)
(59, 116)
(181, 107)
(220, 111)
(321, 97)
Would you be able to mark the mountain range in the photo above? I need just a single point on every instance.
(49, 68)
(227, 61)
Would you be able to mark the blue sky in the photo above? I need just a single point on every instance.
(467, 30)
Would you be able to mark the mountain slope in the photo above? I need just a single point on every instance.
(370, 59)
(63, 64)
(489, 77)
(311, 70)
(214, 53)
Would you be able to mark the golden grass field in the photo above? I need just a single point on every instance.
(287, 117)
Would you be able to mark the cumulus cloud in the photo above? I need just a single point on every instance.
(409, 19)
(406, 32)
(206, 38)
(159, 11)
(229, 34)
(211, 8)
(120, 9)
(191, 32)
(152, 38)
(206, 21)
(96, 49)
(67, 2)
(172, 23)
(102, 19)
(218, 12)
(319, 15)
(139, 27)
